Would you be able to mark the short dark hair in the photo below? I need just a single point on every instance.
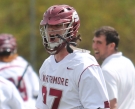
(110, 33)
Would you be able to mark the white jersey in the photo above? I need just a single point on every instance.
(119, 73)
(9, 96)
(29, 85)
(76, 82)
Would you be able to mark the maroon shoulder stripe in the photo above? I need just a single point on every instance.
(3, 68)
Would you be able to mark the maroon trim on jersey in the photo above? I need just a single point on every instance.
(106, 104)
(83, 72)
(2, 81)
(3, 68)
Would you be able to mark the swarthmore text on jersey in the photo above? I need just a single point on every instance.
(55, 80)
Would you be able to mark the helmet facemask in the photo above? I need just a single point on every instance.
(51, 41)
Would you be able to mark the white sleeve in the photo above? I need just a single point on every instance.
(92, 88)
(110, 84)
(16, 102)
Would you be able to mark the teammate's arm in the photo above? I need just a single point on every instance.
(111, 87)
(34, 79)
(113, 104)
(16, 102)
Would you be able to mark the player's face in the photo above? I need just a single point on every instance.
(53, 30)
(101, 49)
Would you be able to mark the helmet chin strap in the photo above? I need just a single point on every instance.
(69, 49)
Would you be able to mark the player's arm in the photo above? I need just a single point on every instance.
(16, 102)
(113, 104)
(92, 88)
(111, 87)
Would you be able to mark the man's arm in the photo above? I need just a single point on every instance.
(113, 104)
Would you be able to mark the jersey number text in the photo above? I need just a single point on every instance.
(53, 92)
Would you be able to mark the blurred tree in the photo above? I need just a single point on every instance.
(15, 18)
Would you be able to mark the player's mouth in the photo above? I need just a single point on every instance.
(96, 52)
(52, 38)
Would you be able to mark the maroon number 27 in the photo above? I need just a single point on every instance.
(53, 92)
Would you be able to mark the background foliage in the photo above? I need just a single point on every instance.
(22, 17)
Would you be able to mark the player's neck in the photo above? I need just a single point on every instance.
(61, 55)
(8, 58)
